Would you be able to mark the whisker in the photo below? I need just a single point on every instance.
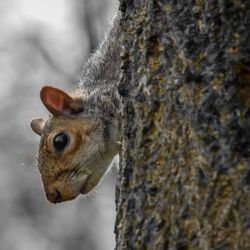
(28, 166)
(101, 194)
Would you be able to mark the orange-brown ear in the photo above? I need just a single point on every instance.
(59, 102)
(37, 125)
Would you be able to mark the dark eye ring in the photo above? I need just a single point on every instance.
(60, 142)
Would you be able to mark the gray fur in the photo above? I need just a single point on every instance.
(100, 75)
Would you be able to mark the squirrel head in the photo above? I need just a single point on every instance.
(73, 153)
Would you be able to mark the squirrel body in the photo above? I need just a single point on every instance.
(81, 136)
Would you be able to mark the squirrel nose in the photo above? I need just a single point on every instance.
(58, 192)
(54, 196)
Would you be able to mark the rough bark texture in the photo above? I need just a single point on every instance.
(185, 162)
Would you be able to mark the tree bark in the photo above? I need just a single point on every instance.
(184, 178)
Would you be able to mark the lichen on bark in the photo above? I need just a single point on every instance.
(184, 178)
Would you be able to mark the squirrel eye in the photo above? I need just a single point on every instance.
(60, 141)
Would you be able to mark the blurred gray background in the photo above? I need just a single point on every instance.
(46, 42)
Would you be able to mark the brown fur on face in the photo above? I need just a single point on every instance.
(79, 168)
(87, 145)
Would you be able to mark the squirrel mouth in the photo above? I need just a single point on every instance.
(87, 186)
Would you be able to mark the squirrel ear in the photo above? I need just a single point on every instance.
(59, 102)
(37, 125)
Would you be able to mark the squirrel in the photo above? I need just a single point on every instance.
(81, 136)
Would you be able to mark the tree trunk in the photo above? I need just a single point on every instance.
(185, 163)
